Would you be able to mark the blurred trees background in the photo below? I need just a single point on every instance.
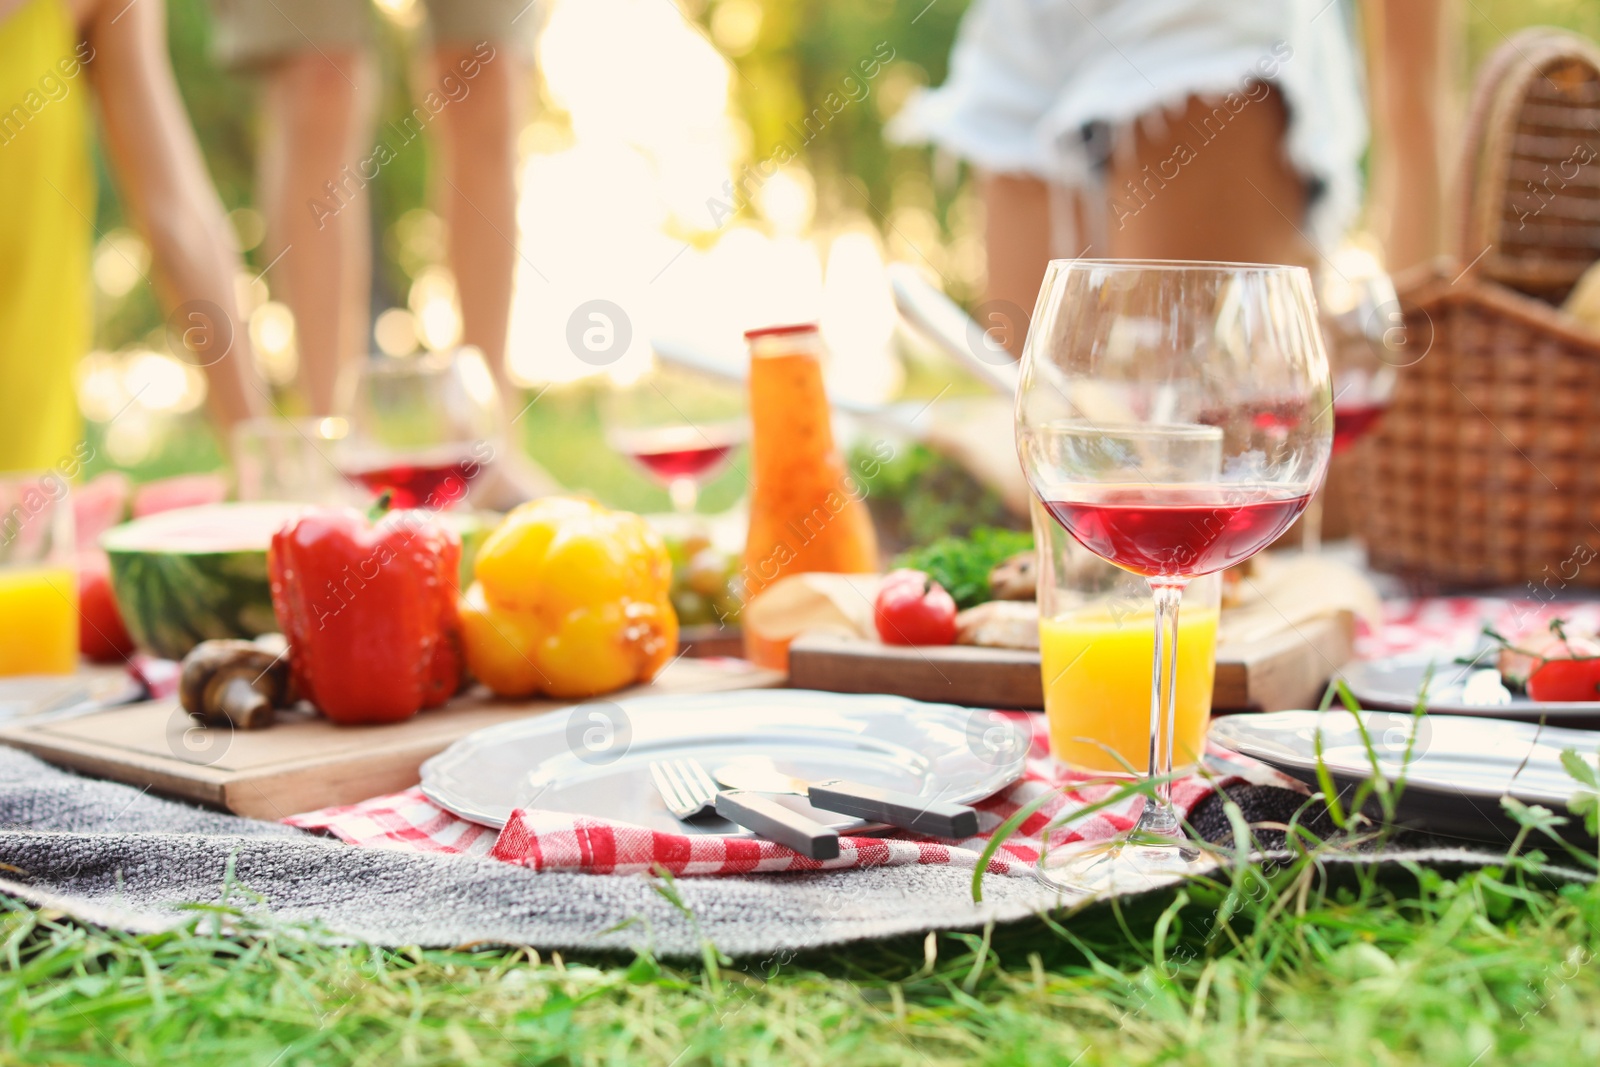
(786, 55)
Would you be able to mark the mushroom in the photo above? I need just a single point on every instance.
(1016, 578)
(234, 682)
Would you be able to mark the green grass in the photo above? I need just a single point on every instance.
(1490, 968)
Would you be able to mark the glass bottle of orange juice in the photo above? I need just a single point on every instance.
(806, 512)
(38, 578)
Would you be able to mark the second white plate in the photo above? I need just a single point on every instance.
(1459, 766)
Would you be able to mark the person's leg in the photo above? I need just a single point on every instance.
(1408, 70)
(1213, 184)
(1017, 246)
(487, 84)
(1028, 222)
(477, 135)
(318, 118)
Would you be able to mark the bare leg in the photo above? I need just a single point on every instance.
(318, 130)
(1232, 195)
(478, 199)
(1017, 239)
(1407, 74)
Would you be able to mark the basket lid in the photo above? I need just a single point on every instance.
(1532, 164)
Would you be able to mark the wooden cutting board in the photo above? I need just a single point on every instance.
(303, 762)
(1287, 670)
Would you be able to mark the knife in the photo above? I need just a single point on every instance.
(906, 810)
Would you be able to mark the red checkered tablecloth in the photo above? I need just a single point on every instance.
(549, 840)
(1450, 626)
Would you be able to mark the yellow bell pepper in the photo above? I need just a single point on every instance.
(570, 600)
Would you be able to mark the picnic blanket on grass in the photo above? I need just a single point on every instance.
(115, 856)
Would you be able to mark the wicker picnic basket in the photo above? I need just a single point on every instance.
(1486, 470)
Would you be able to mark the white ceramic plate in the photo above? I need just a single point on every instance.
(593, 759)
(1460, 766)
(1394, 683)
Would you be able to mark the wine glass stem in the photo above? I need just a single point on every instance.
(1158, 816)
(1311, 525)
(684, 494)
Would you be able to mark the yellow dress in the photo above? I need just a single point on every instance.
(47, 193)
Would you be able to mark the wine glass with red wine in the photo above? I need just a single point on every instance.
(1365, 335)
(1174, 418)
(1366, 338)
(422, 428)
(680, 427)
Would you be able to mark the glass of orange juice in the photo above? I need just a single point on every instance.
(1097, 644)
(38, 576)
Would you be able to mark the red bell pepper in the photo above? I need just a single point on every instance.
(369, 609)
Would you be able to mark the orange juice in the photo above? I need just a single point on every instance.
(38, 620)
(1097, 686)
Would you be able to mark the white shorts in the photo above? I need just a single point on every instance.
(1034, 82)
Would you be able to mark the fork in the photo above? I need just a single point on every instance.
(689, 792)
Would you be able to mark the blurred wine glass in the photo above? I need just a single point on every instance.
(679, 426)
(290, 459)
(422, 428)
(1364, 331)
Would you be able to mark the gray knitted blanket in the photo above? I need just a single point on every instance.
(115, 856)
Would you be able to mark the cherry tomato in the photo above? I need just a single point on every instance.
(1566, 680)
(913, 609)
(1553, 663)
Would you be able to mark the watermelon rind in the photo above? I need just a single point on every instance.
(189, 575)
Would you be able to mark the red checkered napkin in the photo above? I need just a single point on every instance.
(550, 840)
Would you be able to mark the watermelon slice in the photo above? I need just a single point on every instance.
(179, 491)
(99, 505)
(184, 576)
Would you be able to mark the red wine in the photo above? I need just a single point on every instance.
(673, 452)
(1178, 531)
(418, 485)
(1351, 422)
(673, 463)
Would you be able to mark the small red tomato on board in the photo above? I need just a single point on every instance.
(1565, 680)
(913, 609)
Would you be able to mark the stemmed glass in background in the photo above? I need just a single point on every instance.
(679, 426)
(1174, 418)
(291, 459)
(422, 427)
(1363, 329)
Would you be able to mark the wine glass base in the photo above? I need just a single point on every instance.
(1113, 868)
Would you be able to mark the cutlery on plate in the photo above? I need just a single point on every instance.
(688, 792)
(908, 811)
